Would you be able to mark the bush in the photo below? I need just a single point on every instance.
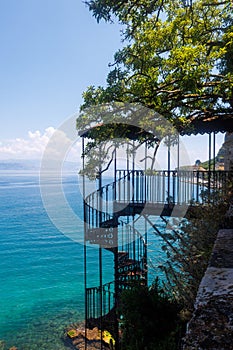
(150, 319)
(188, 258)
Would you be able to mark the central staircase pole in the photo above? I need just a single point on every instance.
(100, 254)
(116, 261)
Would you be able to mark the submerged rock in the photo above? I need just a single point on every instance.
(76, 337)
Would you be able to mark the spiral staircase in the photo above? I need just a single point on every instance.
(110, 213)
(107, 227)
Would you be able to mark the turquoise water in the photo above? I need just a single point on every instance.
(41, 270)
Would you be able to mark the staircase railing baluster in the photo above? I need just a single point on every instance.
(137, 188)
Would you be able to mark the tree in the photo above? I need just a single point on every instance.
(177, 59)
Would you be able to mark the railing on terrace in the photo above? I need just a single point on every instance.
(162, 187)
(168, 186)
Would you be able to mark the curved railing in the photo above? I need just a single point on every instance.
(177, 187)
(99, 300)
(132, 256)
(162, 187)
(99, 205)
(104, 227)
(128, 237)
(131, 266)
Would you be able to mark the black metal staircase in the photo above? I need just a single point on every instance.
(109, 231)
(107, 214)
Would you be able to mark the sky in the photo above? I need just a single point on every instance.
(51, 51)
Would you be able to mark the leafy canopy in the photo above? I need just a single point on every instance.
(177, 58)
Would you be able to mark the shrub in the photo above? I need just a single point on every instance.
(150, 319)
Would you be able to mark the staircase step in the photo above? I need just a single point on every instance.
(129, 266)
(109, 223)
(102, 237)
(122, 257)
(128, 281)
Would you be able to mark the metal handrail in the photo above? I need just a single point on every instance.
(177, 187)
(138, 186)
(95, 295)
(131, 241)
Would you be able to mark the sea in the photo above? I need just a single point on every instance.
(41, 262)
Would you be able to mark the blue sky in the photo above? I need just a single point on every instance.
(51, 51)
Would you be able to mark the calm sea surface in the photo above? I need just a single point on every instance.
(41, 269)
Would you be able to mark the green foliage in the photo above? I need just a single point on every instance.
(150, 319)
(176, 62)
(124, 10)
(177, 59)
(208, 163)
(190, 249)
(118, 124)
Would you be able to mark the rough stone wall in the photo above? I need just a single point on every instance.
(228, 151)
(211, 326)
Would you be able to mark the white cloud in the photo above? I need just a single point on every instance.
(53, 143)
(64, 145)
(31, 147)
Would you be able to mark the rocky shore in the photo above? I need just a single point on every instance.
(75, 336)
(3, 346)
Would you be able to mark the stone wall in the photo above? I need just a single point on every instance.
(211, 326)
(228, 152)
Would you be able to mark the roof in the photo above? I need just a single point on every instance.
(207, 125)
(118, 130)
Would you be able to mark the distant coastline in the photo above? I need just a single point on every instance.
(31, 165)
(19, 164)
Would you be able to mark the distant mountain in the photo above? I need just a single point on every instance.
(32, 165)
(19, 164)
